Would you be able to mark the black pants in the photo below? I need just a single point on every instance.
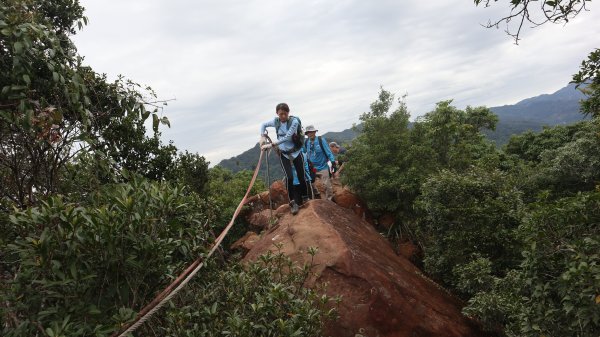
(294, 192)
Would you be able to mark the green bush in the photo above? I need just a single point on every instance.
(390, 160)
(377, 165)
(469, 217)
(574, 166)
(500, 305)
(561, 267)
(473, 276)
(266, 298)
(530, 145)
(82, 269)
(556, 289)
(225, 190)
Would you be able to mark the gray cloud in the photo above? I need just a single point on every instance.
(228, 63)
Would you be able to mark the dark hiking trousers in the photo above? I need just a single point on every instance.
(301, 190)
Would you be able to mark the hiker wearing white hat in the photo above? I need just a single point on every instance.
(320, 155)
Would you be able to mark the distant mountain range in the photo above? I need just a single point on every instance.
(561, 107)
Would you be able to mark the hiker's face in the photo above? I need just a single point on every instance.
(311, 135)
(283, 115)
(334, 149)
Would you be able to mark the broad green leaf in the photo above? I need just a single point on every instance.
(18, 47)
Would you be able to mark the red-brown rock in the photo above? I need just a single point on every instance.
(383, 294)
(246, 242)
(386, 221)
(261, 219)
(282, 210)
(279, 194)
(409, 251)
(345, 198)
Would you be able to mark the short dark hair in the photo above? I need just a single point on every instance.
(282, 106)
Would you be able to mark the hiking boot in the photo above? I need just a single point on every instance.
(294, 208)
(305, 199)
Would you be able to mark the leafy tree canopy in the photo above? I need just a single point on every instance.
(52, 107)
(589, 75)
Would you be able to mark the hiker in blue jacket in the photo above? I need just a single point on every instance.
(308, 179)
(289, 147)
(337, 151)
(320, 155)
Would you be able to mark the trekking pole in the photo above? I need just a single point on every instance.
(269, 183)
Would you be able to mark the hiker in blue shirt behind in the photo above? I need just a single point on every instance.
(337, 151)
(289, 144)
(320, 155)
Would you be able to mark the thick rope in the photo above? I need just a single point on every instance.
(269, 188)
(167, 294)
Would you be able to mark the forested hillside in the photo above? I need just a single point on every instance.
(515, 232)
(247, 159)
(561, 107)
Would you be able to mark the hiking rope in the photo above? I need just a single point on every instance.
(187, 274)
(269, 182)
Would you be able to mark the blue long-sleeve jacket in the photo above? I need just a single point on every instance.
(284, 136)
(316, 155)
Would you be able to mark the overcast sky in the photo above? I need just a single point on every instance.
(228, 63)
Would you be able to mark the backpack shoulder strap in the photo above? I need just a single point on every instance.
(291, 119)
(277, 125)
(321, 144)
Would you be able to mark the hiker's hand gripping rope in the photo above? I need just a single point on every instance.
(267, 143)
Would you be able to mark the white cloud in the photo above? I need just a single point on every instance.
(228, 63)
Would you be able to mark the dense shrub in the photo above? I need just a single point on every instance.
(469, 222)
(558, 161)
(378, 168)
(266, 298)
(574, 166)
(530, 145)
(81, 269)
(558, 288)
(499, 305)
(225, 191)
(390, 160)
(561, 267)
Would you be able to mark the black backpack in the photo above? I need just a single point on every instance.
(298, 137)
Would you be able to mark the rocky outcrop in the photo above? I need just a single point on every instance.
(246, 242)
(383, 294)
